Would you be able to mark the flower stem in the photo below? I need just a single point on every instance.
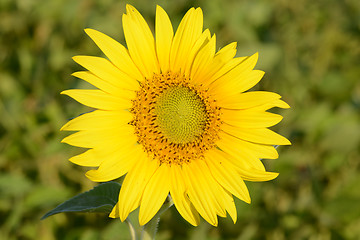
(149, 230)
(134, 226)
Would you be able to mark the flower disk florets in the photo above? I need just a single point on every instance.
(175, 120)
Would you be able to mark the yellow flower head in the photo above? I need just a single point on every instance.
(173, 115)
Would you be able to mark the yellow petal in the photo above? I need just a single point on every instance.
(100, 137)
(155, 194)
(115, 212)
(281, 104)
(203, 58)
(256, 135)
(87, 159)
(180, 198)
(227, 176)
(189, 30)
(99, 83)
(123, 136)
(234, 145)
(241, 155)
(246, 173)
(229, 50)
(116, 52)
(228, 202)
(199, 44)
(94, 157)
(140, 42)
(239, 79)
(242, 69)
(221, 58)
(227, 67)
(199, 191)
(134, 184)
(164, 34)
(248, 100)
(249, 118)
(117, 164)
(275, 103)
(98, 119)
(256, 175)
(217, 191)
(249, 80)
(107, 71)
(98, 99)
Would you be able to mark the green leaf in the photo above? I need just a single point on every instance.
(101, 198)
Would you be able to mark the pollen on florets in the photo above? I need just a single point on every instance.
(175, 121)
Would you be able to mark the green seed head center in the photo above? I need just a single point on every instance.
(181, 114)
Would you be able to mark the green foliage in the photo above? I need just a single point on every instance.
(101, 198)
(310, 53)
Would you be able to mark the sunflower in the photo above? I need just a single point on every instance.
(172, 115)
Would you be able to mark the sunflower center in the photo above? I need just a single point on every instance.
(181, 114)
(175, 121)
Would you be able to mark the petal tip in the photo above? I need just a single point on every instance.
(285, 105)
(64, 127)
(115, 211)
(143, 221)
(273, 175)
(90, 32)
(256, 57)
(77, 58)
(88, 174)
(286, 142)
(123, 217)
(159, 8)
(130, 8)
(94, 176)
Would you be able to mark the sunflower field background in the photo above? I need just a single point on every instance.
(310, 51)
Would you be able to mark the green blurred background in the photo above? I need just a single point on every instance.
(310, 51)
